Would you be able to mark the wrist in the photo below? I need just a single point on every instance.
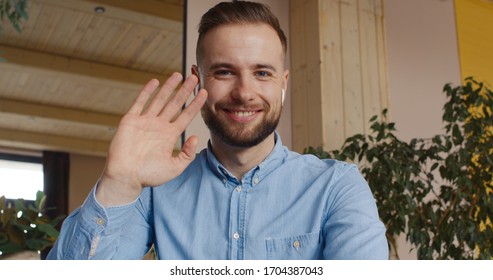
(114, 191)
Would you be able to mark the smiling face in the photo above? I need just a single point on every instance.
(242, 68)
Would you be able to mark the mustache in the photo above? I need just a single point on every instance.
(242, 106)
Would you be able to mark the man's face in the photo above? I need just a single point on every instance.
(242, 68)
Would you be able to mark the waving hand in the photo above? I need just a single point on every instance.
(141, 152)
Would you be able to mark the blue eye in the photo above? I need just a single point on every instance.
(223, 72)
(263, 74)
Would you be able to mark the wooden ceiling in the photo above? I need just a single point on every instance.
(71, 73)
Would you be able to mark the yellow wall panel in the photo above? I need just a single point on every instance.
(474, 19)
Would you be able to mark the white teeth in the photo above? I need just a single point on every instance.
(244, 114)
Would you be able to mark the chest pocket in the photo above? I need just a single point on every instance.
(306, 246)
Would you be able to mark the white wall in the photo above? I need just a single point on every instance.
(422, 58)
(195, 9)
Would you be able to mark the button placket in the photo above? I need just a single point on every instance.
(235, 222)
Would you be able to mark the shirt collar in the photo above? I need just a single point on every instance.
(273, 161)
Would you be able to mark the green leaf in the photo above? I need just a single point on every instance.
(48, 230)
(40, 200)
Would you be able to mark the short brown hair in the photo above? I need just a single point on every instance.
(238, 12)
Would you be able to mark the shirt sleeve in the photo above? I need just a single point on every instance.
(353, 229)
(95, 232)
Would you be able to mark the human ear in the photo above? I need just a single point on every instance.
(195, 71)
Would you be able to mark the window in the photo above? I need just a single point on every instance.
(21, 176)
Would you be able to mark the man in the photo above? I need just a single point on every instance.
(244, 197)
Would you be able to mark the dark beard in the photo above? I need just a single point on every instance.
(236, 136)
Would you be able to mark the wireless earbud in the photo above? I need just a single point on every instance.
(282, 96)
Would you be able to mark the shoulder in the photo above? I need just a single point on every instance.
(339, 178)
(310, 162)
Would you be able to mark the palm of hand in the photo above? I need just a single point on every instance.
(142, 149)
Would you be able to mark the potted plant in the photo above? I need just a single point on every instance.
(24, 226)
(436, 191)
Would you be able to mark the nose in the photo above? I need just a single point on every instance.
(245, 89)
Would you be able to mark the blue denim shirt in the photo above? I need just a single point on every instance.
(290, 206)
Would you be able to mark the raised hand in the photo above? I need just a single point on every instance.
(141, 152)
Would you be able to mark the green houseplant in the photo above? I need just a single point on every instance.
(15, 11)
(25, 227)
(436, 191)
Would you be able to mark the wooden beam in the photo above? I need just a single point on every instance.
(339, 72)
(150, 7)
(54, 112)
(40, 141)
(64, 65)
(164, 16)
(306, 80)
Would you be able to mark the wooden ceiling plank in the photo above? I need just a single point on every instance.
(92, 35)
(173, 48)
(157, 48)
(41, 141)
(118, 30)
(123, 11)
(66, 65)
(135, 48)
(69, 23)
(45, 31)
(8, 81)
(39, 30)
(60, 113)
(127, 46)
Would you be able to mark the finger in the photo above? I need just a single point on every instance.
(175, 105)
(141, 100)
(163, 95)
(192, 109)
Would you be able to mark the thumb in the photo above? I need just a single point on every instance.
(189, 148)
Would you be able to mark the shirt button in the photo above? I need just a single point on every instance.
(238, 189)
(256, 180)
(100, 221)
(224, 180)
(236, 236)
(296, 244)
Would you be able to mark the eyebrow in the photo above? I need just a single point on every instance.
(216, 66)
(265, 66)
